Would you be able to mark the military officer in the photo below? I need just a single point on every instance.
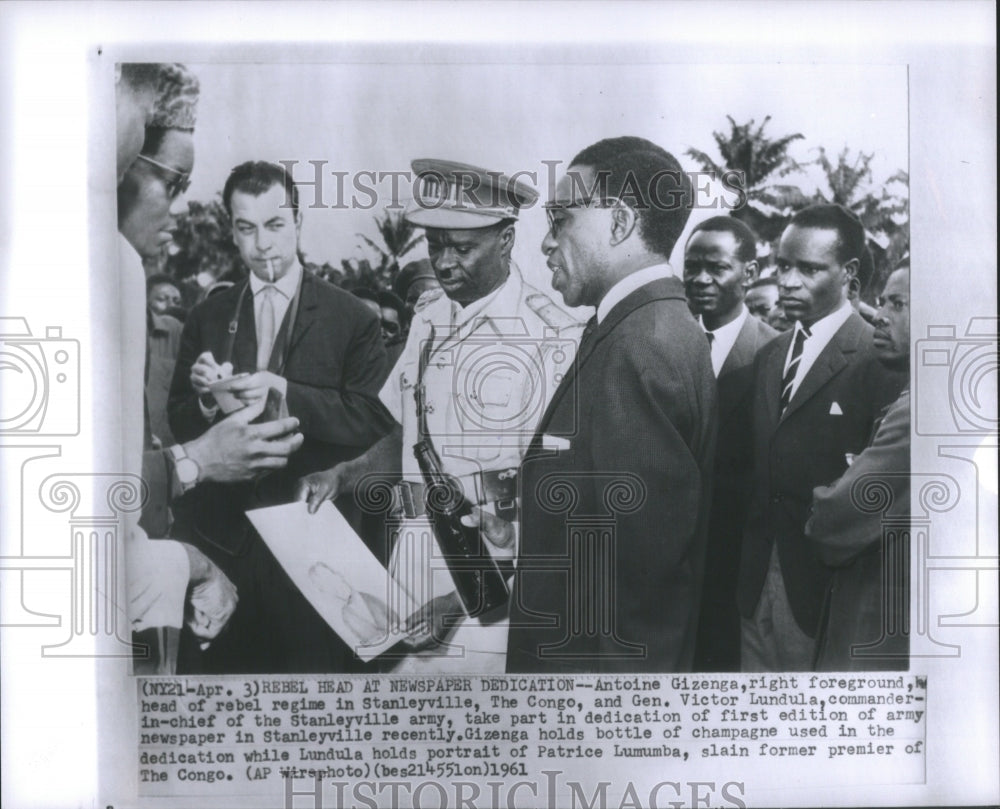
(485, 352)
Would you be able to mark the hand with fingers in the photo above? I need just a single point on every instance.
(212, 598)
(434, 623)
(326, 485)
(206, 371)
(234, 449)
(252, 388)
(498, 532)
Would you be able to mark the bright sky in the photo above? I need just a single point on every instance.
(511, 117)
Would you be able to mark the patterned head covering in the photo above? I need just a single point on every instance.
(176, 98)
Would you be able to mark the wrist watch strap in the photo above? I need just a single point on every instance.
(186, 470)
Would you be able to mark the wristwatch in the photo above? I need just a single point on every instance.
(185, 468)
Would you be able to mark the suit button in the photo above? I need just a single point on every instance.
(776, 498)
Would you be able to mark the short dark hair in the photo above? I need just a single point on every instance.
(634, 168)
(828, 216)
(767, 281)
(161, 278)
(746, 239)
(365, 294)
(255, 177)
(391, 301)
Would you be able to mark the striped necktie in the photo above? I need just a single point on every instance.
(788, 381)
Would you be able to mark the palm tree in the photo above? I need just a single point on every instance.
(759, 160)
(885, 215)
(399, 237)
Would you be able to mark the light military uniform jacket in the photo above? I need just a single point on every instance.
(492, 368)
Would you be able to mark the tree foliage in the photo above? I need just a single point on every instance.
(398, 237)
(203, 244)
(760, 160)
(884, 212)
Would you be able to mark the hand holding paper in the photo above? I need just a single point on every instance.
(206, 371)
(337, 574)
(251, 388)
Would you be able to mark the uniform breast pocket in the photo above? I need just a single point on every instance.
(496, 391)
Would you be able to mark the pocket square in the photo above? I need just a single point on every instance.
(835, 410)
(554, 442)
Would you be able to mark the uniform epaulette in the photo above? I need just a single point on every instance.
(550, 312)
(427, 297)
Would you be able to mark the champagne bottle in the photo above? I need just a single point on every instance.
(478, 579)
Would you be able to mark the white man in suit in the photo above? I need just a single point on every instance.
(321, 349)
(818, 389)
(720, 262)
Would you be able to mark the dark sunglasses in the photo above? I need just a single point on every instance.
(554, 211)
(177, 181)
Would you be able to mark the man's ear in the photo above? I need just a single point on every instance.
(852, 267)
(750, 272)
(507, 240)
(623, 221)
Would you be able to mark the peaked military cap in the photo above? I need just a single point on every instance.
(457, 196)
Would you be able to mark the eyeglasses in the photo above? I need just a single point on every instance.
(554, 209)
(177, 184)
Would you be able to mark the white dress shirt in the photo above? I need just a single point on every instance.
(820, 333)
(286, 285)
(629, 284)
(724, 338)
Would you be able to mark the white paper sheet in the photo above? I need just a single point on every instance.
(337, 574)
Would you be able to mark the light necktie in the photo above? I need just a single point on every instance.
(788, 380)
(266, 326)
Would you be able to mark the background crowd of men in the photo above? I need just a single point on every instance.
(671, 485)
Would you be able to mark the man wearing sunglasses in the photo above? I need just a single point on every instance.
(150, 195)
(170, 583)
(616, 482)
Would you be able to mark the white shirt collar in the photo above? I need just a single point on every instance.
(820, 334)
(822, 331)
(629, 284)
(724, 338)
(286, 285)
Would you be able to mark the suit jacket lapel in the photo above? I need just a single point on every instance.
(663, 288)
(744, 348)
(740, 356)
(830, 362)
(772, 370)
(244, 357)
(307, 313)
(565, 384)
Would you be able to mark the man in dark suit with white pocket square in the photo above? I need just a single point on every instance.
(818, 390)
